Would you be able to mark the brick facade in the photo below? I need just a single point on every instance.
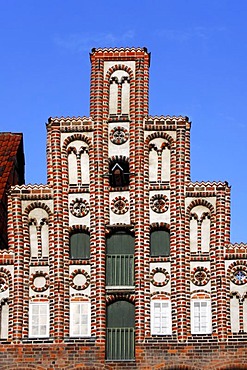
(160, 249)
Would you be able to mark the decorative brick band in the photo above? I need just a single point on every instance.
(76, 273)
(200, 276)
(5, 278)
(38, 274)
(119, 205)
(238, 272)
(34, 205)
(159, 203)
(119, 135)
(160, 271)
(79, 207)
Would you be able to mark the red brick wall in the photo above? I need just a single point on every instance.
(197, 354)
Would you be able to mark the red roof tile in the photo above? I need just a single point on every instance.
(10, 143)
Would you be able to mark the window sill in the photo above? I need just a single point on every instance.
(120, 288)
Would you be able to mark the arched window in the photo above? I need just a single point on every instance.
(160, 243)
(200, 226)
(39, 233)
(119, 93)
(78, 163)
(120, 323)
(159, 160)
(79, 246)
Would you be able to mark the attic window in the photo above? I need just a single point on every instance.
(119, 174)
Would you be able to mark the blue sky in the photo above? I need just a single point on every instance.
(198, 69)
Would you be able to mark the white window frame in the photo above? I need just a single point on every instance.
(201, 319)
(83, 306)
(165, 312)
(40, 322)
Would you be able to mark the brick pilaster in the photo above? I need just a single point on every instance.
(18, 269)
(98, 228)
(220, 265)
(182, 253)
(57, 276)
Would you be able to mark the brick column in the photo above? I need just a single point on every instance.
(141, 199)
(182, 261)
(220, 264)
(57, 277)
(18, 269)
(98, 226)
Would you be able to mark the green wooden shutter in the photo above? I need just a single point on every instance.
(120, 260)
(160, 243)
(80, 246)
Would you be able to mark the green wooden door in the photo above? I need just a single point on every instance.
(120, 332)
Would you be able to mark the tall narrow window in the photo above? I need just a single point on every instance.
(200, 316)
(80, 319)
(39, 320)
(120, 260)
(161, 317)
(79, 246)
(120, 331)
(160, 243)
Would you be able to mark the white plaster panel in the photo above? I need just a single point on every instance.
(109, 64)
(79, 220)
(125, 104)
(86, 291)
(159, 217)
(167, 267)
(115, 218)
(4, 321)
(153, 165)
(113, 98)
(234, 312)
(205, 264)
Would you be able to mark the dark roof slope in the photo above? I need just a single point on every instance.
(11, 155)
(11, 173)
